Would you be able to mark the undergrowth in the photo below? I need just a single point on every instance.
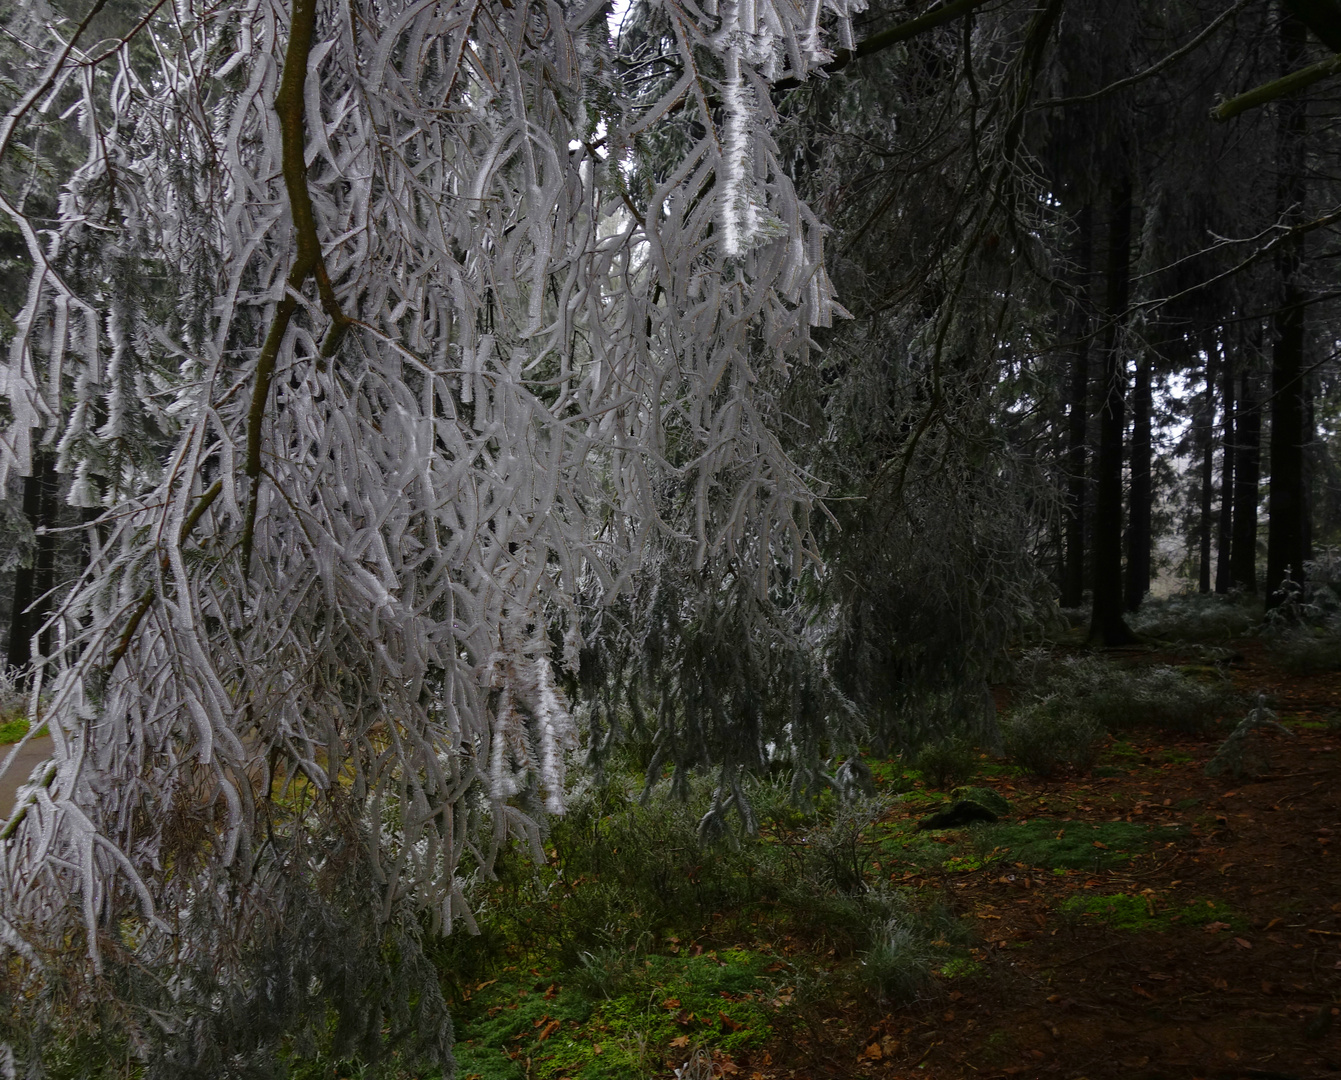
(1197, 617)
(1070, 705)
(642, 943)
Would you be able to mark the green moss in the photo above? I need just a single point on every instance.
(11, 731)
(1077, 845)
(1135, 912)
(721, 998)
(960, 967)
(984, 796)
(1300, 723)
(972, 860)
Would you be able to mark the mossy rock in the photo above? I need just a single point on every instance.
(958, 815)
(984, 797)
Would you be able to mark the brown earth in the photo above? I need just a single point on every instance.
(35, 751)
(1068, 996)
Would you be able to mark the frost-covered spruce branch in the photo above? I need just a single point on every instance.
(253, 708)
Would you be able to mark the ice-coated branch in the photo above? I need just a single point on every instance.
(318, 619)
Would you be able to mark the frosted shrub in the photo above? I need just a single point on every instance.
(1118, 698)
(1046, 735)
(1304, 630)
(898, 963)
(1197, 617)
(1243, 753)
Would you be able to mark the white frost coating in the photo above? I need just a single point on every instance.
(542, 363)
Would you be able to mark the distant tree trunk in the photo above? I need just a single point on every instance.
(1141, 495)
(1285, 503)
(1206, 443)
(36, 579)
(1309, 448)
(1077, 419)
(1106, 623)
(1247, 469)
(1224, 568)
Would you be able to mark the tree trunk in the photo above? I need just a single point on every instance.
(1142, 491)
(1247, 469)
(1106, 623)
(1224, 567)
(1285, 503)
(1310, 450)
(1206, 443)
(1077, 419)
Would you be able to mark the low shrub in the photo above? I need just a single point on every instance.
(946, 763)
(1046, 735)
(1242, 754)
(1120, 698)
(899, 962)
(1198, 617)
(1307, 650)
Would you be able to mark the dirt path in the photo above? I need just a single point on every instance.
(1142, 979)
(36, 751)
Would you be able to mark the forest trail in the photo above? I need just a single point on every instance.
(1216, 954)
(37, 750)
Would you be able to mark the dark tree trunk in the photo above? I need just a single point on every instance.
(1077, 419)
(32, 583)
(1310, 465)
(1285, 503)
(1206, 444)
(1142, 491)
(1224, 568)
(1247, 469)
(1106, 623)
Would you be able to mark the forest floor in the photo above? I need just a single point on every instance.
(1140, 921)
(1134, 987)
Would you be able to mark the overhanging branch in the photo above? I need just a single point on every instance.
(1287, 84)
(886, 38)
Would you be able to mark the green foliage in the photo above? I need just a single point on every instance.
(947, 762)
(11, 731)
(615, 917)
(1052, 845)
